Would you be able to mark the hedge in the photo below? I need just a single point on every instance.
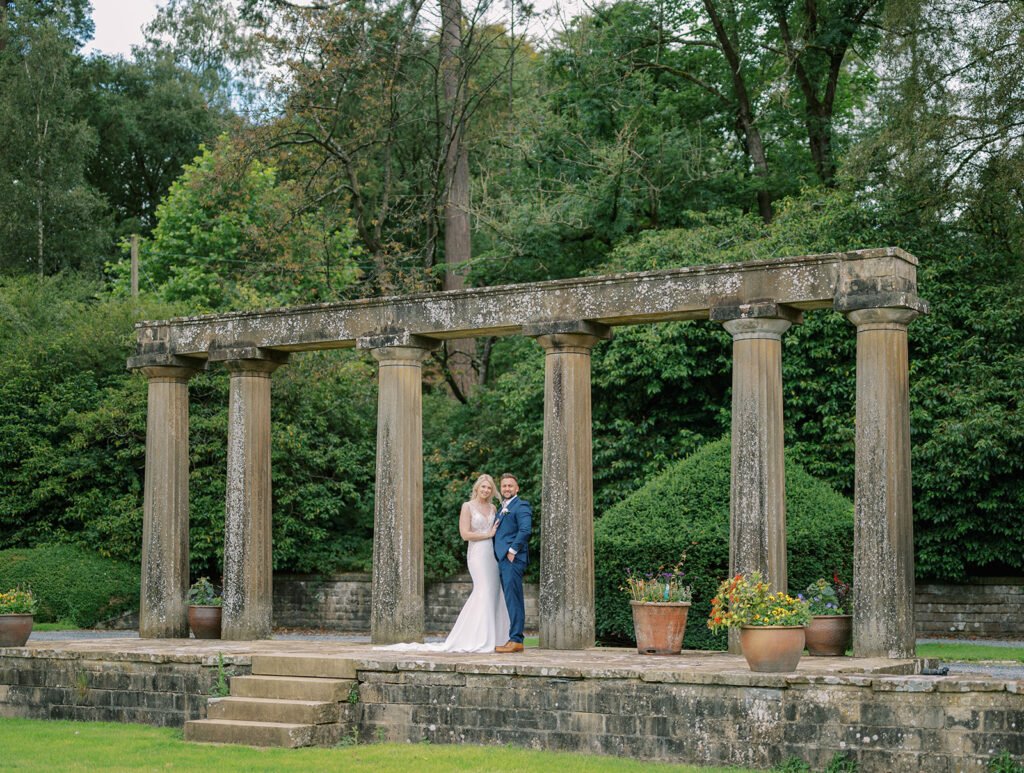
(73, 585)
(684, 511)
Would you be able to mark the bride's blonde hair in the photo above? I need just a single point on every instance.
(485, 478)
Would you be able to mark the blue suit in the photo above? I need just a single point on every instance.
(514, 532)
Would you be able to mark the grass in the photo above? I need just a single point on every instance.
(54, 627)
(41, 745)
(964, 651)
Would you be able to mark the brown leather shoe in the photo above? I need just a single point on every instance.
(510, 646)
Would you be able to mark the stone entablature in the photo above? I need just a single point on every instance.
(843, 281)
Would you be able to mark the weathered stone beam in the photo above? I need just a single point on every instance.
(845, 281)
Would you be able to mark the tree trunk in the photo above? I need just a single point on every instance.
(457, 244)
(744, 112)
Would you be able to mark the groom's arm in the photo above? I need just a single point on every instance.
(524, 520)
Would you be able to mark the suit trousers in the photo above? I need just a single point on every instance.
(512, 586)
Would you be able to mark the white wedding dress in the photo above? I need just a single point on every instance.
(483, 622)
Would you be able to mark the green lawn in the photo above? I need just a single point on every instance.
(969, 651)
(40, 745)
(54, 627)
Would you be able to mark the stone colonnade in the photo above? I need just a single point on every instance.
(876, 289)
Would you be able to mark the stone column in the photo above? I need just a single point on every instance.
(567, 512)
(397, 610)
(883, 557)
(757, 502)
(248, 525)
(163, 611)
(757, 532)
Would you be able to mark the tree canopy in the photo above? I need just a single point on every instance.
(295, 153)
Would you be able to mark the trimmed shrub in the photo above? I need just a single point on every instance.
(685, 511)
(73, 585)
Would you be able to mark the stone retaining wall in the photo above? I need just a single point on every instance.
(886, 724)
(341, 602)
(990, 607)
(151, 690)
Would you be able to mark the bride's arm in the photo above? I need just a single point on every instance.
(465, 523)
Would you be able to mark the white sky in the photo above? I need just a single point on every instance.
(119, 22)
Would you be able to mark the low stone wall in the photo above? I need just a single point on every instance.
(341, 602)
(152, 690)
(886, 724)
(992, 608)
(985, 607)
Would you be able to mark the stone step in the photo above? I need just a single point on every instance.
(291, 688)
(273, 710)
(323, 666)
(282, 734)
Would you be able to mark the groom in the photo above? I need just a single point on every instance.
(510, 543)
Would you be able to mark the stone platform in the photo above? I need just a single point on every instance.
(698, 707)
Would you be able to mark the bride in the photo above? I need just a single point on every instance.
(483, 621)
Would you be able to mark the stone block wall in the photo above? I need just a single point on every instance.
(899, 724)
(986, 607)
(150, 690)
(341, 602)
(990, 607)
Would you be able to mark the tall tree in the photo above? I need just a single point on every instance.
(52, 218)
(150, 116)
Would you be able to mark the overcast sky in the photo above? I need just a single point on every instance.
(119, 22)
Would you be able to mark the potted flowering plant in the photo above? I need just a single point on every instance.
(17, 608)
(660, 602)
(771, 624)
(204, 609)
(830, 631)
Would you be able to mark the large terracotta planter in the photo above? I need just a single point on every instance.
(204, 621)
(659, 626)
(15, 630)
(829, 635)
(772, 648)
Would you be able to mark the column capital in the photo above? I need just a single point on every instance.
(400, 355)
(171, 362)
(249, 360)
(757, 327)
(886, 317)
(169, 373)
(568, 335)
(756, 319)
(400, 339)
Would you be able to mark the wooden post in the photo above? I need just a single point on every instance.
(135, 265)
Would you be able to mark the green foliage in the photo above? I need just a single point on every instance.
(72, 584)
(18, 602)
(73, 430)
(965, 360)
(1004, 763)
(53, 219)
(685, 510)
(659, 586)
(826, 598)
(204, 593)
(227, 237)
(150, 117)
(747, 599)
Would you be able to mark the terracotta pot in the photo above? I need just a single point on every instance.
(659, 626)
(204, 621)
(15, 630)
(772, 648)
(829, 635)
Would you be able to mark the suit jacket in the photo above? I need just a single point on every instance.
(514, 531)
